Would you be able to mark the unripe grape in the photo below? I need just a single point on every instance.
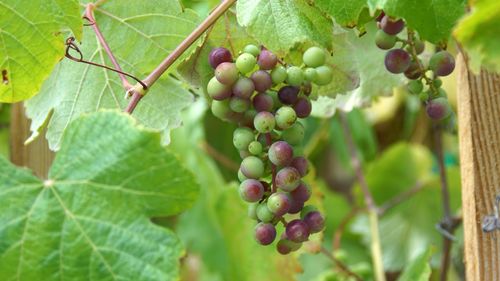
(218, 56)
(325, 75)
(262, 81)
(285, 117)
(238, 104)
(251, 49)
(242, 137)
(244, 154)
(278, 75)
(243, 88)
(220, 109)
(280, 153)
(255, 148)
(279, 203)
(424, 96)
(252, 211)
(217, 90)
(397, 61)
(288, 94)
(384, 41)
(227, 73)
(314, 57)
(287, 179)
(295, 76)
(263, 102)
(294, 135)
(438, 108)
(264, 122)
(245, 63)
(302, 107)
(265, 233)
(390, 26)
(241, 176)
(264, 214)
(297, 231)
(252, 167)
(419, 46)
(310, 74)
(247, 119)
(442, 63)
(413, 72)
(302, 193)
(285, 246)
(315, 221)
(267, 60)
(300, 163)
(415, 87)
(251, 190)
(437, 82)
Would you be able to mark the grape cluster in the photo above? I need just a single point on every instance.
(405, 60)
(267, 99)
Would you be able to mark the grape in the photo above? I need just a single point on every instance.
(220, 109)
(300, 163)
(252, 167)
(306, 210)
(264, 122)
(267, 60)
(302, 193)
(441, 93)
(325, 75)
(263, 102)
(437, 82)
(384, 41)
(419, 46)
(238, 104)
(251, 190)
(245, 63)
(265, 233)
(288, 94)
(217, 90)
(247, 119)
(397, 61)
(286, 246)
(295, 76)
(262, 80)
(278, 75)
(241, 176)
(279, 203)
(243, 88)
(255, 148)
(314, 57)
(302, 107)
(227, 73)
(218, 56)
(242, 137)
(438, 108)
(297, 231)
(415, 87)
(252, 49)
(287, 179)
(424, 96)
(294, 135)
(252, 211)
(413, 71)
(296, 207)
(244, 154)
(391, 26)
(280, 153)
(264, 214)
(310, 74)
(314, 221)
(442, 63)
(285, 117)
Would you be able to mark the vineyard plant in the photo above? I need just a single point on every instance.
(244, 140)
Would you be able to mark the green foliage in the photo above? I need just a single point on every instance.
(419, 269)
(31, 43)
(54, 229)
(345, 12)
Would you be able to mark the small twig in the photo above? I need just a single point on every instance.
(398, 199)
(340, 265)
(339, 232)
(219, 157)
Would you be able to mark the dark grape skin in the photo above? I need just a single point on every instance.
(397, 61)
(379, 17)
(288, 94)
(300, 163)
(287, 179)
(218, 56)
(442, 63)
(302, 107)
(243, 88)
(413, 71)
(390, 26)
(438, 108)
(251, 190)
(265, 233)
(302, 193)
(263, 102)
(280, 153)
(297, 231)
(296, 207)
(315, 221)
(267, 60)
(261, 80)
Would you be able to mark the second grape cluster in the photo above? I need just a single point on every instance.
(266, 99)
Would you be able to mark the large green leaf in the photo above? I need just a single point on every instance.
(282, 24)
(132, 31)
(478, 32)
(419, 269)
(345, 12)
(31, 44)
(90, 219)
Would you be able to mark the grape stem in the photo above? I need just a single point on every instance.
(375, 244)
(340, 265)
(269, 141)
(179, 50)
(421, 68)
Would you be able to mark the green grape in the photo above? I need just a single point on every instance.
(314, 57)
(255, 148)
(423, 96)
(294, 135)
(415, 87)
(218, 91)
(437, 83)
(252, 49)
(441, 93)
(220, 109)
(310, 74)
(325, 75)
(241, 176)
(295, 76)
(384, 41)
(264, 122)
(242, 137)
(246, 63)
(238, 104)
(252, 211)
(263, 213)
(285, 117)
(252, 167)
(278, 75)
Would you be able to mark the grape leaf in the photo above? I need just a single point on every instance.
(90, 219)
(433, 19)
(281, 25)
(345, 12)
(419, 269)
(478, 32)
(132, 31)
(31, 43)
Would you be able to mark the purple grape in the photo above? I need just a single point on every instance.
(413, 71)
(288, 94)
(442, 63)
(296, 207)
(300, 163)
(243, 88)
(265, 233)
(280, 153)
(397, 61)
(279, 203)
(315, 221)
(227, 73)
(297, 231)
(302, 193)
(380, 17)
(287, 179)
(251, 190)
(302, 107)
(390, 26)
(438, 108)
(263, 102)
(306, 210)
(218, 56)
(267, 60)
(262, 81)
(285, 246)
(217, 90)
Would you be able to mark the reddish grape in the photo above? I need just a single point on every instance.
(267, 60)
(442, 63)
(280, 153)
(297, 231)
(227, 73)
(397, 61)
(287, 179)
(302, 193)
(263, 102)
(218, 56)
(438, 109)
(413, 71)
(296, 207)
(251, 190)
(314, 221)
(262, 81)
(288, 94)
(243, 88)
(302, 107)
(300, 163)
(390, 26)
(265, 233)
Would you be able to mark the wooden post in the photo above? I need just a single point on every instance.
(479, 137)
(35, 156)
